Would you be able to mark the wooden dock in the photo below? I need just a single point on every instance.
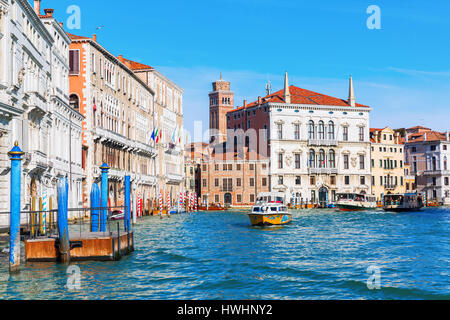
(83, 247)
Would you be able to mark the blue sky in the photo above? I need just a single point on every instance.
(402, 71)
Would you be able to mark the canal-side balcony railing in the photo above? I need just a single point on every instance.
(322, 142)
(109, 136)
(326, 171)
(436, 172)
(174, 178)
(147, 180)
(145, 148)
(390, 187)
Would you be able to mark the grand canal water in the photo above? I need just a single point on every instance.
(218, 255)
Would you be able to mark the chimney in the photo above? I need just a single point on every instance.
(61, 24)
(397, 138)
(49, 12)
(425, 136)
(376, 137)
(94, 37)
(351, 94)
(37, 6)
(259, 100)
(287, 93)
(245, 103)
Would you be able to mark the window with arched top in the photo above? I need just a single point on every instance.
(332, 159)
(331, 130)
(74, 102)
(322, 162)
(312, 159)
(311, 131)
(321, 130)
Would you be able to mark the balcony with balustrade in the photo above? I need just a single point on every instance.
(322, 143)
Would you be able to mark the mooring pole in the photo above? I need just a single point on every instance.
(95, 204)
(14, 227)
(127, 203)
(63, 228)
(104, 197)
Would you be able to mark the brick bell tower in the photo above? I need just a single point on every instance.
(221, 101)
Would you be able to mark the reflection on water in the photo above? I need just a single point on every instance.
(322, 254)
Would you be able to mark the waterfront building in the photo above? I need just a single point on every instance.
(428, 153)
(232, 178)
(168, 120)
(318, 145)
(192, 161)
(387, 162)
(118, 109)
(33, 100)
(410, 179)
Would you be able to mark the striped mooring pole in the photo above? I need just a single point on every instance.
(63, 227)
(127, 203)
(95, 205)
(15, 156)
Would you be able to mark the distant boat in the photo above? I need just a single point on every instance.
(117, 215)
(211, 208)
(270, 210)
(355, 202)
(402, 202)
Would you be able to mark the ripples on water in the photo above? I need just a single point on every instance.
(321, 255)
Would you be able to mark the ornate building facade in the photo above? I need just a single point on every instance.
(119, 116)
(33, 99)
(318, 145)
(387, 162)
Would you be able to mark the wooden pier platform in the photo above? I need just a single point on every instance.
(83, 247)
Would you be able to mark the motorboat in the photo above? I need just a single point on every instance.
(355, 202)
(270, 210)
(402, 202)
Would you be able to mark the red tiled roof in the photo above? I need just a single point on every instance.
(133, 65)
(418, 127)
(301, 96)
(75, 37)
(430, 136)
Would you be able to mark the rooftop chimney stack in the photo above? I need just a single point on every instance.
(259, 100)
(49, 12)
(245, 103)
(37, 6)
(287, 93)
(425, 136)
(94, 37)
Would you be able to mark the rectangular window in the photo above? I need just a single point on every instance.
(230, 167)
(238, 167)
(361, 162)
(280, 131)
(363, 180)
(74, 62)
(298, 181)
(361, 134)
(297, 132)
(345, 134)
(252, 182)
(280, 180)
(216, 198)
(204, 183)
(347, 180)
(251, 166)
(216, 183)
(239, 198)
(346, 162)
(297, 161)
(264, 182)
(333, 180)
(312, 180)
(280, 161)
(252, 198)
(238, 182)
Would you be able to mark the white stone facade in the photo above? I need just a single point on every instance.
(304, 162)
(34, 107)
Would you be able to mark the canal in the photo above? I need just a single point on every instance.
(323, 254)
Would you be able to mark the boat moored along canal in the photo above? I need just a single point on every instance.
(355, 202)
(402, 202)
(270, 210)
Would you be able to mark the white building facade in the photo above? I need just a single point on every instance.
(33, 95)
(318, 145)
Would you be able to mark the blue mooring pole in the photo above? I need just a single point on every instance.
(14, 229)
(63, 227)
(95, 204)
(104, 197)
(127, 203)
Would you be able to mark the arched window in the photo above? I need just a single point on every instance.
(331, 130)
(332, 159)
(321, 130)
(311, 133)
(312, 159)
(74, 102)
(322, 162)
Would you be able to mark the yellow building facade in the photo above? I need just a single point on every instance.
(387, 162)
